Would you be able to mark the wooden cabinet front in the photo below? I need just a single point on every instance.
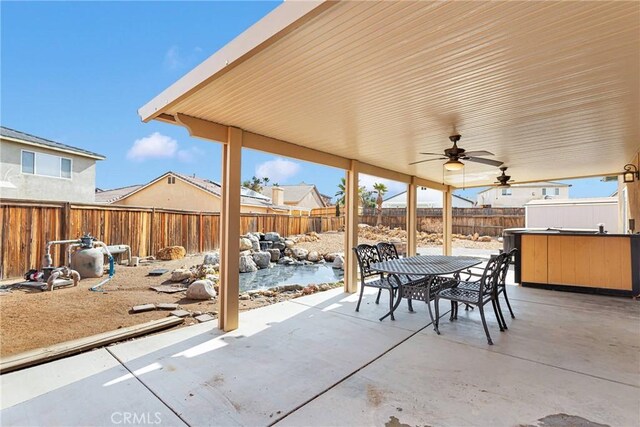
(588, 261)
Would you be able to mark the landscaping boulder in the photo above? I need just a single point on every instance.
(275, 254)
(338, 262)
(286, 260)
(313, 256)
(484, 239)
(300, 253)
(171, 252)
(211, 258)
(262, 259)
(330, 257)
(255, 241)
(272, 237)
(245, 244)
(180, 274)
(201, 289)
(278, 245)
(289, 244)
(247, 265)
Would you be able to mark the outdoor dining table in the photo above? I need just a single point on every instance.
(428, 266)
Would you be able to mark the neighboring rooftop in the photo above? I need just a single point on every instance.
(248, 196)
(15, 135)
(294, 193)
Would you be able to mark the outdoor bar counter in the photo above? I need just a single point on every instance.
(575, 261)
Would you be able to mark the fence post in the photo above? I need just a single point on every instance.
(65, 229)
(200, 234)
(152, 231)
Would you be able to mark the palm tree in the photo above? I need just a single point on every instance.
(381, 189)
(342, 191)
(255, 183)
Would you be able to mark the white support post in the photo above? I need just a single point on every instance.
(351, 229)
(447, 221)
(412, 219)
(230, 232)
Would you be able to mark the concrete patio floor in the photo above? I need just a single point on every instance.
(315, 361)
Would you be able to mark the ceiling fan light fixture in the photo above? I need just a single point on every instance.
(453, 165)
(503, 185)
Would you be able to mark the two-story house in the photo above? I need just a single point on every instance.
(35, 168)
(517, 195)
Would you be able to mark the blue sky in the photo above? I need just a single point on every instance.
(76, 72)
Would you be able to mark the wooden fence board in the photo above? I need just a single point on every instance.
(26, 226)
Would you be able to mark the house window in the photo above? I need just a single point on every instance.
(506, 191)
(28, 162)
(46, 165)
(550, 191)
(171, 180)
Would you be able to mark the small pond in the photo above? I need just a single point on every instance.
(289, 275)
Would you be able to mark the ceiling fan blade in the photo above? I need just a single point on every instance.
(485, 161)
(478, 153)
(427, 160)
(432, 154)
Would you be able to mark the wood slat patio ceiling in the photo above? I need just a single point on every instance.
(553, 89)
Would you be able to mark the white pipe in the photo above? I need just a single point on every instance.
(46, 260)
(69, 250)
(62, 272)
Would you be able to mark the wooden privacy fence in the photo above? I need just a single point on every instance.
(27, 226)
(484, 221)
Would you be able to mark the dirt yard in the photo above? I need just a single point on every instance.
(31, 319)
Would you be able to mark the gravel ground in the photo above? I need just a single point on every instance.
(31, 319)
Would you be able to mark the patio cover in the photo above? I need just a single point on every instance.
(551, 88)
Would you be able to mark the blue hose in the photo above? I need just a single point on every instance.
(112, 272)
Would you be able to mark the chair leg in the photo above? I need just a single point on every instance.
(392, 294)
(506, 298)
(495, 311)
(453, 311)
(504, 322)
(360, 299)
(410, 305)
(435, 322)
(378, 297)
(484, 323)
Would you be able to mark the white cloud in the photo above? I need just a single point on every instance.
(277, 170)
(155, 145)
(393, 187)
(172, 58)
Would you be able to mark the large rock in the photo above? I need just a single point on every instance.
(289, 243)
(279, 245)
(180, 274)
(275, 254)
(247, 265)
(211, 258)
(262, 259)
(245, 244)
(338, 262)
(300, 253)
(255, 241)
(201, 289)
(313, 256)
(171, 252)
(330, 257)
(272, 236)
(285, 260)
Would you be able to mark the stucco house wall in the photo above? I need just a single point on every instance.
(181, 196)
(80, 188)
(519, 195)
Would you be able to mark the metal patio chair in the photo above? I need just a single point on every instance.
(367, 255)
(467, 293)
(387, 251)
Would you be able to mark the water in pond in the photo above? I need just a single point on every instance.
(289, 275)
